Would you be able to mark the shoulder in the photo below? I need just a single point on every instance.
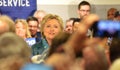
(39, 34)
(37, 48)
(31, 66)
(38, 44)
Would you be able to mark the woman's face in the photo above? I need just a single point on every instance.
(51, 28)
(20, 29)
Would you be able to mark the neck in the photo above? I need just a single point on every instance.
(49, 41)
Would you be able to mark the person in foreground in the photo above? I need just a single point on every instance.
(14, 52)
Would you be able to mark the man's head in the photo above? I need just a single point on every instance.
(83, 9)
(117, 15)
(95, 58)
(75, 24)
(68, 26)
(39, 14)
(33, 25)
(111, 13)
(6, 24)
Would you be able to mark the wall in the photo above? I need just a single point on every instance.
(67, 2)
(68, 8)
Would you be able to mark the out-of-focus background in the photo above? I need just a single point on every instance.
(68, 8)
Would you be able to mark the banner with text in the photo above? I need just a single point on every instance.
(18, 8)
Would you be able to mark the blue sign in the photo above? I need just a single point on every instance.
(18, 8)
(30, 41)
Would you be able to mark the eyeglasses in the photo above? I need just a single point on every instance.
(85, 10)
(33, 26)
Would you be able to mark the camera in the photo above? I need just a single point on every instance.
(106, 28)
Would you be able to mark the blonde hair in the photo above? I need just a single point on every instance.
(9, 22)
(24, 22)
(49, 17)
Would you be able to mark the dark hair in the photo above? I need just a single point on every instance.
(83, 3)
(115, 49)
(70, 19)
(59, 40)
(117, 13)
(31, 18)
(98, 62)
(76, 20)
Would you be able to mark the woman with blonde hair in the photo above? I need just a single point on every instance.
(51, 26)
(22, 28)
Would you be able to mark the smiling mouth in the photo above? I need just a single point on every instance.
(52, 33)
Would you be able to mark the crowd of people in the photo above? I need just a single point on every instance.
(56, 47)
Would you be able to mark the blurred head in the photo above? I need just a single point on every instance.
(111, 13)
(14, 52)
(115, 65)
(39, 14)
(33, 25)
(114, 49)
(22, 28)
(84, 9)
(117, 15)
(59, 40)
(51, 26)
(68, 27)
(6, 24)
(76, 22)
(75, 27)
(95, 58)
